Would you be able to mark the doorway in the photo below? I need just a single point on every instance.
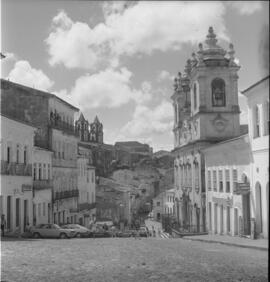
(210, 216)
(236, 225)
(9, 212)
(221, 219)
(258, 192)
(228, 220)
(246, 213)
(215, 218)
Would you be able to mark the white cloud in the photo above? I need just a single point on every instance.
(164, 75)
(246, 7)
(147, 121)
(23, 73)
(129, 29)
(109, 88)
(243, 108)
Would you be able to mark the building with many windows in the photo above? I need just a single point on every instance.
(258, 116)
(54, 119)
(227, 174)
(206, 111)
(17, 140)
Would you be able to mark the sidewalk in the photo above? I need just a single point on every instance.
(258, 244)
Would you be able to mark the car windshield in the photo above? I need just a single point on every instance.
(56, 226)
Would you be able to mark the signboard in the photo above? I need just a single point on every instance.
(26, 188)
(223, 201)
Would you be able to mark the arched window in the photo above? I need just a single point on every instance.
(195, 96)
(218, 93)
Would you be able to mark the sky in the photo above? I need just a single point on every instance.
(117, 59)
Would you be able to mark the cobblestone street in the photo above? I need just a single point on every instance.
(119, 259)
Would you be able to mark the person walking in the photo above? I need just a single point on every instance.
(3, 224)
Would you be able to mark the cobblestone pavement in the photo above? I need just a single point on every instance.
(128, 260)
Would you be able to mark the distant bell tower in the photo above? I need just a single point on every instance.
(96, 131)
(214, 92)
(82, 126)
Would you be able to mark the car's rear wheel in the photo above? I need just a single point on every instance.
(36, 235)
(78, 235)
(63, 236)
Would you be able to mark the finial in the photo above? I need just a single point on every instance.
(179, 75)
(231, 53)
(211, 38)
(200, 47)
(188, 67)
(175, 85)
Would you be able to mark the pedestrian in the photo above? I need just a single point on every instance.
(3, 224)
(113, 229)
(159, 233)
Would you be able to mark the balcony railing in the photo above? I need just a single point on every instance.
(16, 169)
(42, 184)
(87, 206)
(64, 126)
(66, 194)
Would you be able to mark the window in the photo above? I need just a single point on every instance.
(39, 209)
(35, 171)
(195, 96)
(44, 209)
(44, 171)
(39, 172)
(93, 178)
(215, 180)
(18, 154)
(266, 118)
(25, 155)
(49, 171)
(256, 122)
(218, 93)
(220, 176)
(8, 154)
(209, 180)
(235, 178)
(227, 176)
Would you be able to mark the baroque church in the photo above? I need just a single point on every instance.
(206, 111)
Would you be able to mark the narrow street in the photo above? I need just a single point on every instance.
(128, 259)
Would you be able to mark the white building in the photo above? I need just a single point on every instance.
(16, 173)
(258, 117)
(42, 186)
(227, 174)
(87, 189)
(163, 204)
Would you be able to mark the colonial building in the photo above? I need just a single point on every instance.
(258, 116)
(17, 140)
(163, 204)
(227, 173)
(87, 186)
(42, 186)
(54, 119)
(206, 111)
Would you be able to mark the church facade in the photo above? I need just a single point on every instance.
(206, 111)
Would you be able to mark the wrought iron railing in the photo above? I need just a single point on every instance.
(87, 206)
(64, 126)
(19, 169)
(66, 194)
(42, 184)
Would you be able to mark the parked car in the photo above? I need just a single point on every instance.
(81, 231)
(51, 231)
(143, 231)
(100, 233)
(124, 234)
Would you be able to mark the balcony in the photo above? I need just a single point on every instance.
(42, 184)
(16, 169)
(64, 127)
(66, 194)
(87, 206)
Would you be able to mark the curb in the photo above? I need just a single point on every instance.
(228, 244)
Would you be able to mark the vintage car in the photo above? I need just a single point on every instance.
(81, 231)
(51, 231)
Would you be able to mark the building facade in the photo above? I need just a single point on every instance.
(258, 116)
(86, 187)
(227, 174)
(17, 141)
(42, 186)
(206, 111)
(54, 119)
